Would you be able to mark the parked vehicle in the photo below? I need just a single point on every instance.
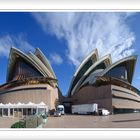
(136, 111)
(85, 109)
(61, 109)
(103, 112)
(57, 114)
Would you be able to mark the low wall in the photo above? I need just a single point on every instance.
(31, 93)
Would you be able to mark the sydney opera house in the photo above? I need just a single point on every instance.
(31, 82)
(98, 80)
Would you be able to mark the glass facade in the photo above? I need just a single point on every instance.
(118, 72)
(24, 70)
(82, 71)
(99, 66)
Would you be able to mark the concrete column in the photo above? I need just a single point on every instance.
(2, 112)
(22, 112)
(13, 112)
(8, 112)
(36, 110)
(26, 111)
(31, 111)
(18, 112)
(126, 74)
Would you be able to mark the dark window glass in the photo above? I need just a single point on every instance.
(82, 71)
(11, 111)
(24, 70)
(99, 66)
(5, 112)
(0, 112)
(118, 72)
(60, 109)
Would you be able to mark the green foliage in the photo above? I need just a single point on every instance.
(19, 124)
(44, 116)
(30, 122)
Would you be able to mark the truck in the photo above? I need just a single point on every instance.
(85, 109)
(61, 109)
(103, 112)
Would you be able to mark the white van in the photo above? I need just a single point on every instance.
(103, 112)
(61, 109)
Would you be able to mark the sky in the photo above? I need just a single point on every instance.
(66, 38)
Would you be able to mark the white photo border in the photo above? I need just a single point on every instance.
(70, 6)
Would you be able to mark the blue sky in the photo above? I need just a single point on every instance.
(67, 38)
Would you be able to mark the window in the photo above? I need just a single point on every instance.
(23, 70)
(118, 72)
(0, 112)
(5, 112)
(11, 111)
(82, 71)
(100, 66)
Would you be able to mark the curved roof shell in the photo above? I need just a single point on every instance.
(44, 60)
(39, 62)
(128, 62)
(92, 56)
(95, 69)
(83, 67)
(30, 58)
(100, 68)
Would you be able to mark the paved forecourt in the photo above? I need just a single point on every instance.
(89, 121)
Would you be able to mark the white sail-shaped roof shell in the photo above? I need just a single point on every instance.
(89, 77)
(31, 59)
(93, 56)
(44, 60)
(107, 62)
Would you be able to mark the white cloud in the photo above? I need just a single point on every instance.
(108, 32)
(22, 43)
(5, 44)
(8, 41)
(56, 59)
